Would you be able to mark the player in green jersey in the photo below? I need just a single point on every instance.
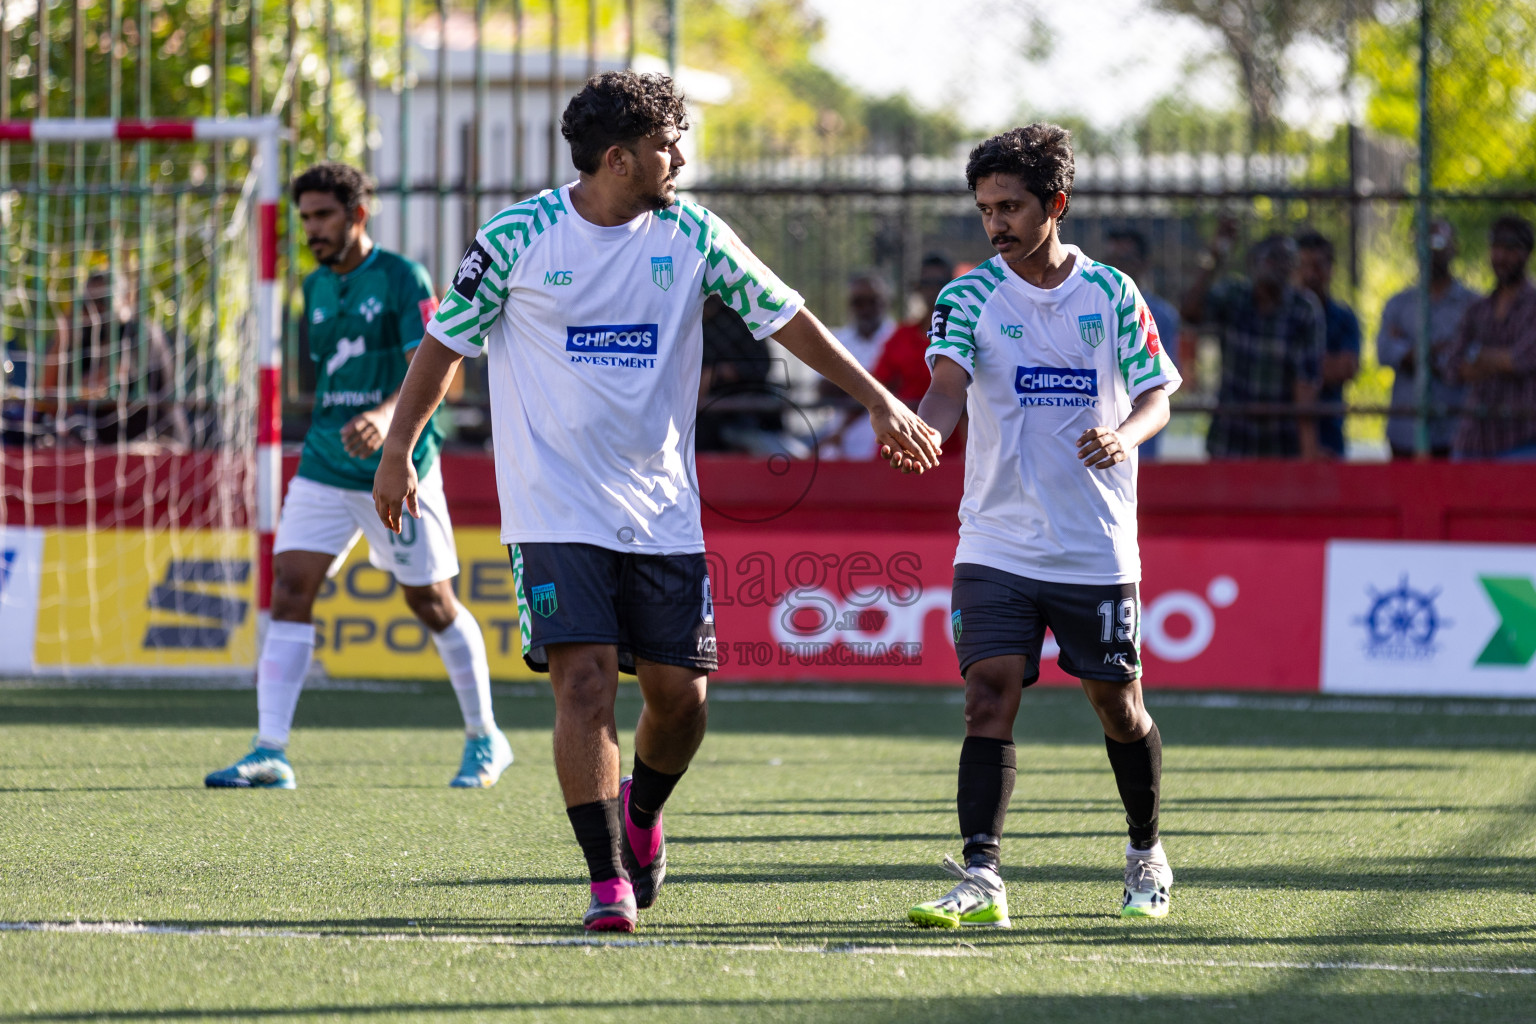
(364, 312)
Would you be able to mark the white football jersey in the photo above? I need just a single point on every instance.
(1046, 365)
(595, 342)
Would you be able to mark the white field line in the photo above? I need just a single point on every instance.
(1298, 965)
(728, 693)
(961, 950)
(1368, 705)
(136, 928)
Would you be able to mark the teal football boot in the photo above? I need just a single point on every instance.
(485, 758)
(262, 768)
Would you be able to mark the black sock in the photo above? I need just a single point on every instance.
(1139, 774)
(597, 830)
(648, 793)
(987, 772)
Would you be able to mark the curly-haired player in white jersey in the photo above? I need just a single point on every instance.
(1056, 359)
(588, 301)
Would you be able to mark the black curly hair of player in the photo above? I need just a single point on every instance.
(351, 187)
(618, 108)
(1039, 155)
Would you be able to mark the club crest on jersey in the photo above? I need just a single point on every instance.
(1091, 327)
(466, 281)
(542, 599)
(661, 272)
(370, 308)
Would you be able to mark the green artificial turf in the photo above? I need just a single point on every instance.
(1355, 861)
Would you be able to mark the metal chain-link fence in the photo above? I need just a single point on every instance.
(454, 108)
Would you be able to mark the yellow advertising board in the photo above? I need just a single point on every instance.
(366, 631)
(184, 600)
(138, 599)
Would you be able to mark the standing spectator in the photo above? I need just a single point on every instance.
(736, 365)
(113, 380)
(869, 323)
(1397, 345)
(1271, 348)
(865, 335)
(1341, 343)
(903, 367)
(16, 360)
(1495, 353)
(1126, 249)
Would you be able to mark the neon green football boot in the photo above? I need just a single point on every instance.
(1147, 881)
(979, 900)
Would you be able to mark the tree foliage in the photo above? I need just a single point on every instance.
(1257, 35)
(785, 101)
(1482, 89)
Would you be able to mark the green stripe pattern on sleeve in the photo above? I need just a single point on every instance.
(504, 238)
(965, 296)
(1137, 363)
(731, 270)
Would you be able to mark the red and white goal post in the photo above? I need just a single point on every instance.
(142, 334)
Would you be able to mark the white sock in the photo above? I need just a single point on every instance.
(462, 648)
(285, 657)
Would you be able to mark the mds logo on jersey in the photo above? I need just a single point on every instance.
(627, 345)
(1056, 385)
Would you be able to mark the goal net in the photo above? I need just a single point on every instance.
(137, 324)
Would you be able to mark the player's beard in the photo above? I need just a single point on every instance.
(662, 198)
(339, 251)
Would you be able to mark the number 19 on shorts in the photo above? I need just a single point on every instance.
(1118, 621)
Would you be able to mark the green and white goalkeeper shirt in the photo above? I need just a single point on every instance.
(595, 341)
(1046, 365)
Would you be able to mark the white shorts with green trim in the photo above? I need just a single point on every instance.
(329, 520)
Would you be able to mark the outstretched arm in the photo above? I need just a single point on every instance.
(942, 406)
(898, 428)
(426, 382)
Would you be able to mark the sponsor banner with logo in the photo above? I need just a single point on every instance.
(134, 600)
(1430, 619)
(834, 606)
(21, 569)
(364, 629)
(875, 608)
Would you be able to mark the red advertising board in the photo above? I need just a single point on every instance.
(874, 607)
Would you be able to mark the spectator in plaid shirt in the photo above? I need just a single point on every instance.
(1341, 333)
(1495, 352)
(1272, 345)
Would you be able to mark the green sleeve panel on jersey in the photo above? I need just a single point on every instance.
(498, 244)
(1133, 322)
(954, 334)
(733, 272)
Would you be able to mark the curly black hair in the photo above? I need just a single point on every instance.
(617, 108)
(351, 187)
(1039, 155)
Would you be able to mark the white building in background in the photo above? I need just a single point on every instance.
(518, 142)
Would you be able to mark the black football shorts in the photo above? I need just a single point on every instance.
(656, 607)
(1097, 626)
